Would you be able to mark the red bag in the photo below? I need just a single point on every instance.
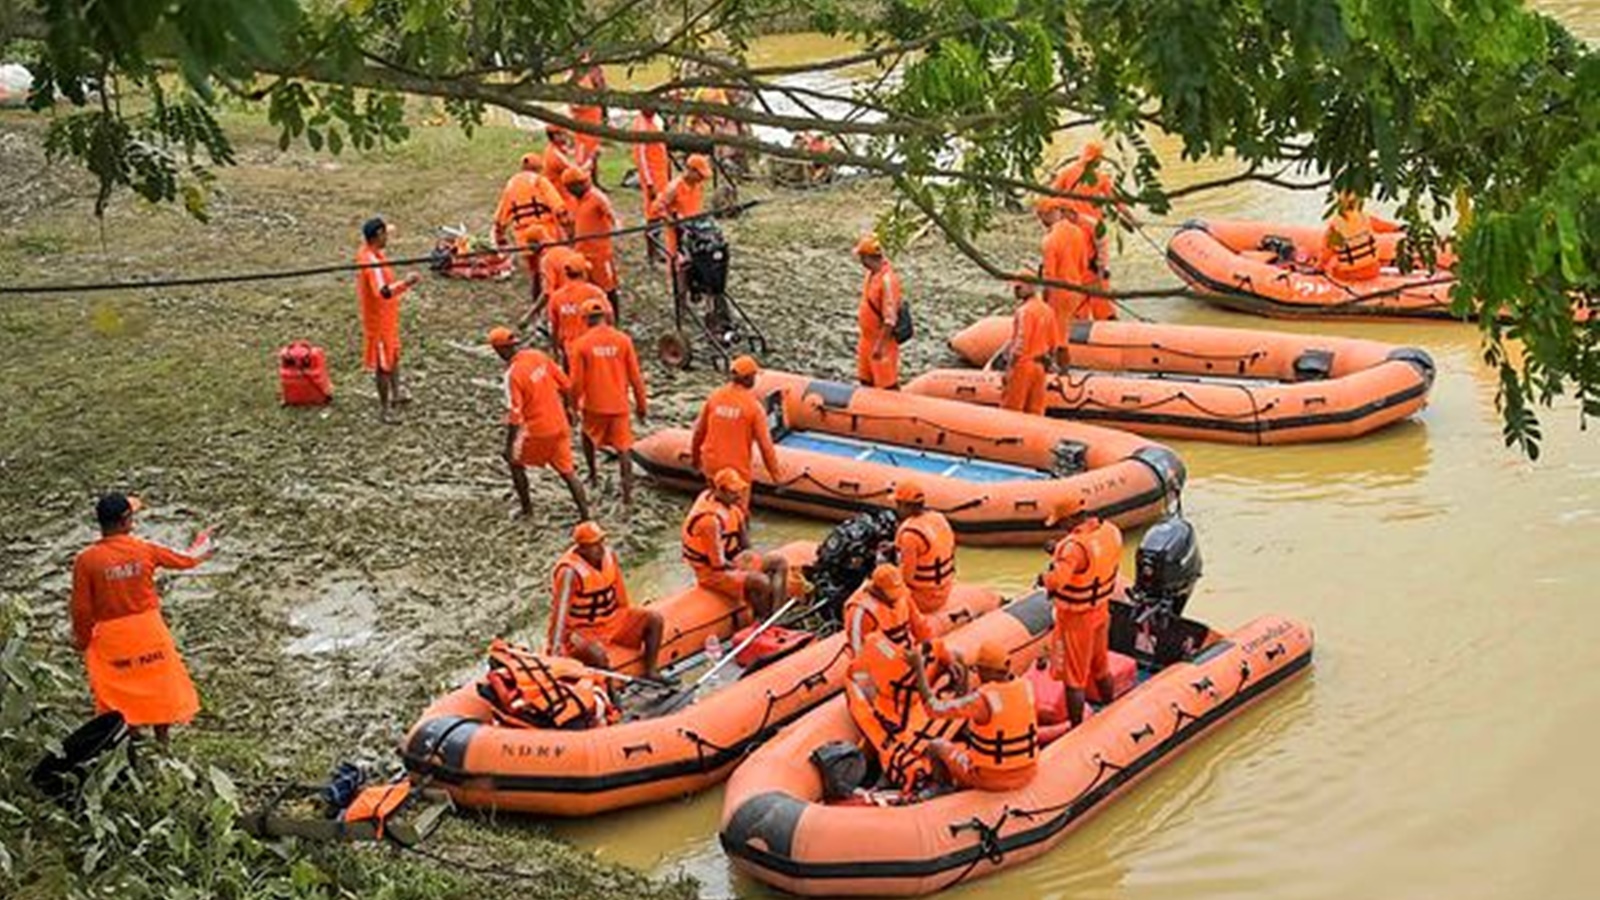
(303, 375)
(770, 646)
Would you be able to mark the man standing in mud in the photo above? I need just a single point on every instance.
(538, 432)
(133, 664)
(379, 294)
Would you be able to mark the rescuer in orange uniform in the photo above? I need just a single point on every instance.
(1089, 177)
(604, 367)
(884, 604)
(925, 546)
(560, 154)
(592, 214)
(1000, 750)
(537, 431)
(379, 295)
(533, 211)
(716, 545)
(1350, 249)
(682, 198)
(1067, 250)
(589, 76)
(590, 610)
(566, 316)
(133, 665)
(1081, 580)
(877, 352)
(1031, 351)
(654, 168)
(730, 421)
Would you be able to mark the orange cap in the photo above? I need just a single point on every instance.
(744, 367)
(588, 532)
(593, 306)
(1092, 151)
(909, 492)
(576, 264)
(869, 246)
(501, 336)
(1050, 204)
(532, 162)
(886, 578)
(730, 481)
(574, 175)
(991, 656)
(698, 162)
(1064, 510)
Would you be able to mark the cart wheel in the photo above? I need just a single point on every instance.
(673, 350)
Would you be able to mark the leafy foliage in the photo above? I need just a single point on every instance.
(1441, 105)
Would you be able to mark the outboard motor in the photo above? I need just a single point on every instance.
(1167, 565)
(847, 556)
(707, 251)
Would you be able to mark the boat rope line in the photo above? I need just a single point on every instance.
(1254, 413)
(817, 679)
(826, 410)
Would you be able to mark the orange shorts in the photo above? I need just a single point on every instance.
(625, 631)
(733, 583)
(968, 775)
(1024, 388)
(878, 373)
(554, 451)
(381, 352)
(611, 431)
(1079, 646)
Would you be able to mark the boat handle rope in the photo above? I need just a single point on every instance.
(918, 420)
(812, 681)
(1249, 357)
(989, 847)
(1179, 714)
(1254, 413)
(1103, 766)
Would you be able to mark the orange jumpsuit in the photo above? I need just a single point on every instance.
(1081, 580)
(534, 389)
(713, 546)
(1067, 250)
(604, 367)
(1033, 337)
(651, 162)
(379, 295)
(680, 200)
(927, 552)
(598, 609)
(880, 306)
(132, 661)
(593, 214)
(731, 420)
(556, 161)
(1076, 179)
(566, 312)
(531, 208)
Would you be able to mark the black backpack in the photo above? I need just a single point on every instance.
(904, 329)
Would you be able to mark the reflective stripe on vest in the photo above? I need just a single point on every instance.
(892, 621)
(594, 598)
(1097, 583)
(1010, 739)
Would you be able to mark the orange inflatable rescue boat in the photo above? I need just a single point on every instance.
(482, 761)
(1267, 268)
(778, 828)
(1235, 386)
(996, 475)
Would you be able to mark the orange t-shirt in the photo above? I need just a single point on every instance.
(1033, 330)
(116, 577)
(1067, 251)
(593, 214)
(531, 207)
(729, 422)
(880, 302)
(534, 388)
(681, 199)
(566, 311)
(553, 267)
(380, 315)
(650, 159)
(604, 367)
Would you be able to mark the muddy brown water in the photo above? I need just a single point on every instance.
(1439, 746)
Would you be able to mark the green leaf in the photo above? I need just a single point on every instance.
(224, 788)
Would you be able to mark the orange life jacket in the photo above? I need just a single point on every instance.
(534, 691)
(378, 803)
(1010, 739)
(893, 619)
(595, 598)
(1352, 240)
(1102, 541)
(936, 567)
(884, 663)
(696, 551)
(902, 751)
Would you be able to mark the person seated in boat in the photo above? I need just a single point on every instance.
(884, 604)
(591, 611)
(1000, 749)
(1081, 580)
(1350, 249)
(881, 694)
(925, 547)
(530, 690)
(716, 545)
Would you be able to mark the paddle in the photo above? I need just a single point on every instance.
(634, 679)
(675, 701)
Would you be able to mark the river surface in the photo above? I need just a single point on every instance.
(1440, 746)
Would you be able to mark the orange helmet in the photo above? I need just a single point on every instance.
(909, 491)
(869, 246)
(744, 367)
(1064, 510)
(886, 579)
(501, 336)
(699, 164)
(576, 264)
(991, 656)
(593, 306)
(574, 175)
(588, 532)
(532, 162)
(729, 481)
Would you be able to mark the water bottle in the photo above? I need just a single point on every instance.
(713, 649)
(714, 653)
